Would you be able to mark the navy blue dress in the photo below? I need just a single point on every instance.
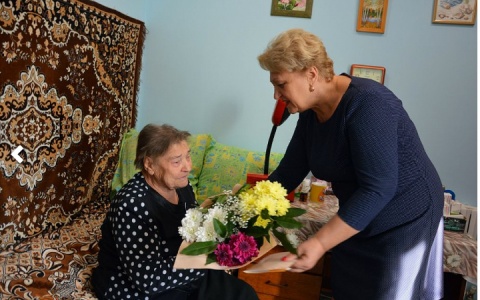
(387, 188)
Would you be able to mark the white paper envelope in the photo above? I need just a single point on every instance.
(271, 263)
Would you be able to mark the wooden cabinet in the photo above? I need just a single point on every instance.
(287, 285)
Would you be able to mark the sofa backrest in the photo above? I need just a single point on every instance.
(215, 166)
(224, 166)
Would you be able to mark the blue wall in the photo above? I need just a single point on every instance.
(200, 72)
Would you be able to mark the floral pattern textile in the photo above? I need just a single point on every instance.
(69, 78)
(69, 83)
(57, 264)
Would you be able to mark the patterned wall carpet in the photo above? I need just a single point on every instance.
(69, 74)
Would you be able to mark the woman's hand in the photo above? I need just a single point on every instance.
(327, 237)
(308, 254)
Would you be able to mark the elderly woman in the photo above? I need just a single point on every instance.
(140, 236)
(387, 237)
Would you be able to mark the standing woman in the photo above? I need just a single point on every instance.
(387, 237)
(140, 236)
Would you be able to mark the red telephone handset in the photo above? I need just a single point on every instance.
(280, 113)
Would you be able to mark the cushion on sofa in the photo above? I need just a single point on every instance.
(224, 166)
(199, 143)
(126, 161)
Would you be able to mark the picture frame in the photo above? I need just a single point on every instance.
(372, 16)
(292, 8)
(376, 73)
(454, 12)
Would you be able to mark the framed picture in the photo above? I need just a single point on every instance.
(372, 15)
(292, 8)
(371, 72)
(461, 12)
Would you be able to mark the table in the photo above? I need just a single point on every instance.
(459, 251)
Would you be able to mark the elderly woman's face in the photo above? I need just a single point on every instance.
(291, 87)
(171, 170)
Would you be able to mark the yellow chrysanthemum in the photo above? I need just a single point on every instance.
(261, 222)
(265, 195)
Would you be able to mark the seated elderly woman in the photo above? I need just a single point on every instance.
(140, 236)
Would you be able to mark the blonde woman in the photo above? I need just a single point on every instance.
(387, 237)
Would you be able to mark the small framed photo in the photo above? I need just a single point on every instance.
(376, 73)
(372, 16)
(462, 12)
(292, 8)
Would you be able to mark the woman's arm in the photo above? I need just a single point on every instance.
(327, 237)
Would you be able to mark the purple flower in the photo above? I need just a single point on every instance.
(224, 255)
(244, 247)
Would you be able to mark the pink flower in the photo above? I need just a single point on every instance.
(244, 247)
(240, 249)
(224, 255)
(301, 3)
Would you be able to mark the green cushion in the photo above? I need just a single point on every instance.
(126, 161)
(199, 143)
(224, 166)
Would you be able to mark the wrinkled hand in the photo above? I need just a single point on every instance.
(308, 254)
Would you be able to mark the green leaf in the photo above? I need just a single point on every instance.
(295, 212)
(244, 187)
(252, 221)
(230, 228)
(220, 229)
(287, 222)
(211, 258)
(256, 231)
(221, 198)
(265, 214)
(282, 237)
(260, 241)
(198, 248)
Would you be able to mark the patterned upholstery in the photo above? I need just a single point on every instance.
(225, 166)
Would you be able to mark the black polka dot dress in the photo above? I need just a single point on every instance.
(387, 188)
(139, 243)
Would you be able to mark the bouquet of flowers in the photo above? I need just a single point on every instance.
(232, 227)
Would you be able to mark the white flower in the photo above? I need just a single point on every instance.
(207, 232)
(454, 260)
(293, 238)
(190, 224)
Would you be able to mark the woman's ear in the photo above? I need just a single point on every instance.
(148, 165)
(312, 74)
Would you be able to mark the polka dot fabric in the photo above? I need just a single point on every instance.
(139, 242)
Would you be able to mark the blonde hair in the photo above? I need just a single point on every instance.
(154, 140)
(296, 50)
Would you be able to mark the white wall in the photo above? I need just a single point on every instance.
(200, 72)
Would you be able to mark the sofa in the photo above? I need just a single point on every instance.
(58, 263)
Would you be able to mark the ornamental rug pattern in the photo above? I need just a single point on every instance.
(55, 265)
(68, 86)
